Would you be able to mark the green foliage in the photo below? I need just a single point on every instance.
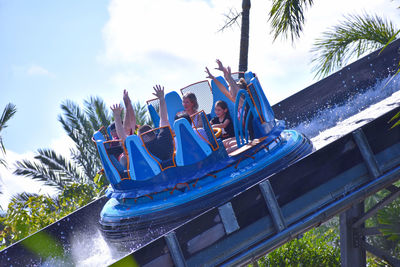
(312, 249)
(28, 213)
(353, 37)
(26, 216)
(387, 221)
(287, 17)
(389, 217)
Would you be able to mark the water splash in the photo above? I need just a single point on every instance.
(335, 121)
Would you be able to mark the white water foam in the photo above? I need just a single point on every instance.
(334, 122)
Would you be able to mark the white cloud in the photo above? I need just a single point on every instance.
(36, 70)
(170, 42)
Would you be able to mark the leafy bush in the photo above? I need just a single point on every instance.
(312, 249)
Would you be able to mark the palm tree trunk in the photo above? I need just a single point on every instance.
(244, 35)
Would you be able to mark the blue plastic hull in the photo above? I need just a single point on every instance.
(122, 217)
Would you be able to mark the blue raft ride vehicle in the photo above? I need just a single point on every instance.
(200, 174)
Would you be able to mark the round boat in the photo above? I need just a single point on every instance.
(200, 174)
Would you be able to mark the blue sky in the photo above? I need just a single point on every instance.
(51, 51)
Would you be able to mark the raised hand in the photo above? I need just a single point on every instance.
(228, 70)
(220, 66)
(209, 75)
(126, 98)
(117, 110)
(159, 91)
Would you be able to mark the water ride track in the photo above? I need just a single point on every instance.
(286, 204)
(272, 212)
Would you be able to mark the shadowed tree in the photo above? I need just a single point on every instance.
(7, 114)
(287, 18)
(231, 19)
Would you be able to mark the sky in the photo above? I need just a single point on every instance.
(51, 51)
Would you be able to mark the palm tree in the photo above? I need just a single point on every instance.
(244, 36)
(7, 114)
(231, 19)
(80, 125)
(287, 17)
(353, 37)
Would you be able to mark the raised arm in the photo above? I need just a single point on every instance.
(233, 87)
(117, 109)
(130, 117)
(159, 93)
(220, 86)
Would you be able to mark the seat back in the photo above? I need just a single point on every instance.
(261, 100)
(153, 107)
(245, 119)
(174, 105)
(141, 165)
(190, 148)
(112, 168)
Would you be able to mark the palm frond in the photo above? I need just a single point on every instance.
(80, 130)
(231, 18)
(38, 172)
(58, 163)
(287, 17)
(141, 113)
(97, 112)
(49, 167)
(353, 37)
(8, 112)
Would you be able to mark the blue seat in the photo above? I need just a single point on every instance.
(111, 167)
(141, 165)
(154, 115)
(266, 110)
(190, 148)
(174, 105)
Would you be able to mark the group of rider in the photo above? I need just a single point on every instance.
(161, 144)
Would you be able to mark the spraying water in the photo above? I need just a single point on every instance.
(336, 121)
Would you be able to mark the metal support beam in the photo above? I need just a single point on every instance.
(175, 250)
(381, 254)
(352, 254)
(228, 218)
(377, 207)
(273, 207)
(366, 153)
